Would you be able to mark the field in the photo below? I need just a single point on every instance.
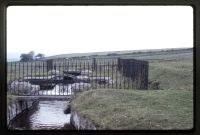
(168, 107)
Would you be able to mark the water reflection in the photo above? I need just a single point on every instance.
(47, 115)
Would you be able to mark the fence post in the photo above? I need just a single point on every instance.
(94, 64)
(49, 64)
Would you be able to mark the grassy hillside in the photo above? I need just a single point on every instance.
(173, 73)
(125, 53)
(170, 107)
(136, 109)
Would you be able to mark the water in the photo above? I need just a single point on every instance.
(57, 90)
(46, 115)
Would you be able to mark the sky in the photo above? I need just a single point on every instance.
(54, 30)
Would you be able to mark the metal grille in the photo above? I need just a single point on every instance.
(68, 76)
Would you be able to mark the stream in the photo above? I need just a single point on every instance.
(57, 90)
(46, 114)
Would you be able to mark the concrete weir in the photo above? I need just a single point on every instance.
(45, 97)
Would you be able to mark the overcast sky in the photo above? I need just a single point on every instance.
(77, 29)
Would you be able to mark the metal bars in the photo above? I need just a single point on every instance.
(99, 73)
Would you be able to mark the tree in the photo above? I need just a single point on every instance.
(39, 56)
(31, 54)
(27, 57)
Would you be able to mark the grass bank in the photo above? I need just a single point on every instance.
(136, 109)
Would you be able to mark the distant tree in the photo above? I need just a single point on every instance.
(31, 54)
(27, 57)
(39, 56)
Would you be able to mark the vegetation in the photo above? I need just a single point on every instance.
(27, 57)
(136, 109)
(169, 107)
(39, 56)
(30, 56)
(173, 74)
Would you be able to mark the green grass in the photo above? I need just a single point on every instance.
(136, 109)
(173, 74)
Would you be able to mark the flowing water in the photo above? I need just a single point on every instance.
(57, 90)
(46, 115)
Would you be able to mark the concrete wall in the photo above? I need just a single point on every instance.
(81, 123)
(16, 107)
